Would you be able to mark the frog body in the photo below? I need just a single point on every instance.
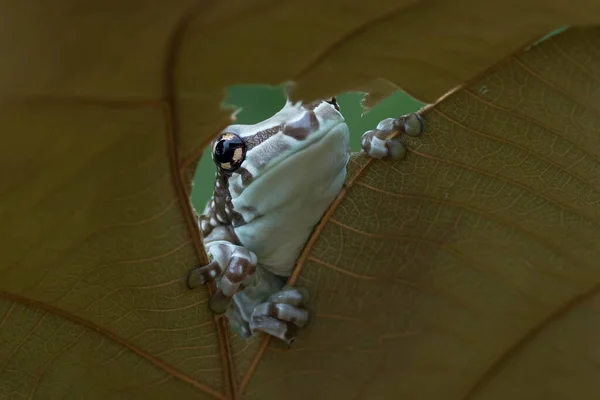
(274, 182)
(290, 192)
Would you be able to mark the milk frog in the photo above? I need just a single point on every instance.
(274, 182)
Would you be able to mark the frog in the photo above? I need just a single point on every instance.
(274, 182)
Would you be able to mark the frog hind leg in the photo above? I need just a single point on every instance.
(282, 314)
(382, 142)
(268, 306)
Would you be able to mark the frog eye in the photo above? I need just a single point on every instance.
(228, 151)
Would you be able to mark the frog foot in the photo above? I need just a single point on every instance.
(234, 264)
(378, 143)
(282, 314)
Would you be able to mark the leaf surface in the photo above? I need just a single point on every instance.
(470, 269)
(106, 108)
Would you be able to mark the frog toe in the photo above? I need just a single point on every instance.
(283, 312)
(290, 295)
(412, 124)
(274, 327)
(383, 142)
(202, 275)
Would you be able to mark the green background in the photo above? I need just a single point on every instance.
(261, 102)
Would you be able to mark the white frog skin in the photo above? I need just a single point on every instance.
(274, 182)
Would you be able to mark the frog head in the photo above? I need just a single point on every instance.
(267, 166)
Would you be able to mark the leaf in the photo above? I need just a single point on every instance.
(468, 270)
(105, 109)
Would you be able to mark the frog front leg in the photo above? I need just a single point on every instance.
(234, 264)
(379, 143)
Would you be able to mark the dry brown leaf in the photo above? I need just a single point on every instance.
(470, 269)
(105, 107)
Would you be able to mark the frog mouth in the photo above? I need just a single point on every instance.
(328, 146)
(311, 125)
(325, 147)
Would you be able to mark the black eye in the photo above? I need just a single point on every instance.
(228, 151)
(334, 103)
